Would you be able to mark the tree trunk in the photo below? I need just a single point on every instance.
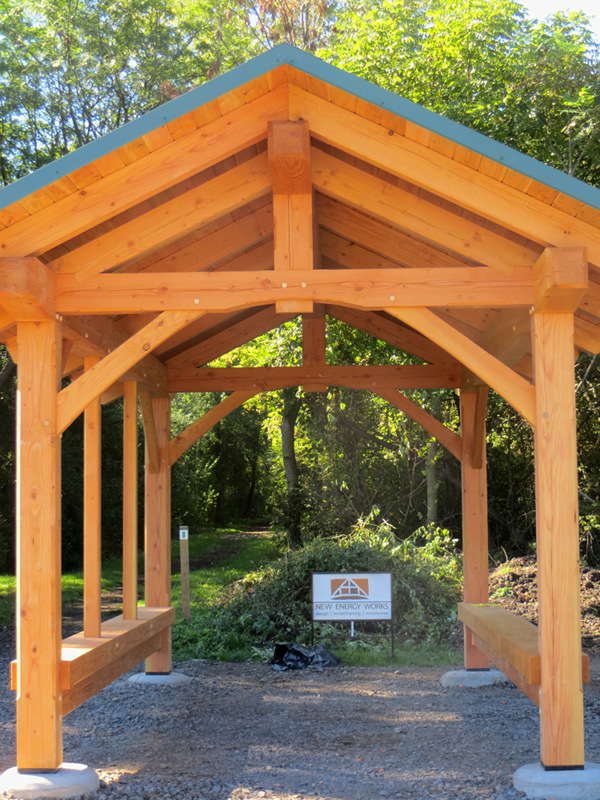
(432, 471)
(293, 510)
(432, 484)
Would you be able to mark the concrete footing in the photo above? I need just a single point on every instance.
(159, 678)
(472, 678)
(560, 784)
(71, 780)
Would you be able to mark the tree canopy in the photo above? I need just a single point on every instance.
(72, 70)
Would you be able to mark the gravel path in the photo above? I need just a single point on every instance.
(242, 732)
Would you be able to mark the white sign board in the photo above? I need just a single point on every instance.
(352, 596)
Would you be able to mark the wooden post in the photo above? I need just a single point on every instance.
(158, 532)
(474, 515)
(130, 500)
(39, 702)
(184, 562)
(92, 483)
(559, 631)
(314, 343)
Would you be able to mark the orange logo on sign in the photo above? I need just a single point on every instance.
(349, 587)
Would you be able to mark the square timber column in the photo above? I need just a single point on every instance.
(39, 636)
(474, 512)
(158, 530)
(294, 220)
(561, 279)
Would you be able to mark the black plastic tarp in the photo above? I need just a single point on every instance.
(289, 655)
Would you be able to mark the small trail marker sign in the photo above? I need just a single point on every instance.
(352, 596)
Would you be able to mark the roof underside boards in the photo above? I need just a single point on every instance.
(174, 214)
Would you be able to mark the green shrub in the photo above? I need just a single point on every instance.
(274, 602)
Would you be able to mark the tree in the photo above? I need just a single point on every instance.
(73, 70)
(303, 23)
(532, 85)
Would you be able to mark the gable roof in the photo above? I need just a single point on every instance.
(310, 65)
(425, 216)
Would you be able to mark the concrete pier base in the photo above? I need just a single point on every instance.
(561, 784)
(472, 678)
(71, 780)
(159, 678)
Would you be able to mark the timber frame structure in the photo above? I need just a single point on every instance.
(287, 187)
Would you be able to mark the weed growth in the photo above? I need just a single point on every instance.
(274, 602)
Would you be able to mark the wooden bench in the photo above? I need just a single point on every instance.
(88, 665)
(511, 643)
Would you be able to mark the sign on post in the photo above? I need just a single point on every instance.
(184, 560)
(352, 596)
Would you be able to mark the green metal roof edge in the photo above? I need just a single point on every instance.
(315, 67)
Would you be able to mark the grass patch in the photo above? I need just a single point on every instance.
(209, 584)
(239, 611)
(71, 588)
(361, 653)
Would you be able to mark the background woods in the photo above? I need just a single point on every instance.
(312, 462)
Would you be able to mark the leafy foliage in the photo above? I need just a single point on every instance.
(274, 602)
(73, 70)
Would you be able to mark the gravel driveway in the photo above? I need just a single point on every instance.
(242, 731)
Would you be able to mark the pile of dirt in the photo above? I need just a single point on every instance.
(514, 586)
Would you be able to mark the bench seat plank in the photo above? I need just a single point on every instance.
(89, 664)
(511, 643)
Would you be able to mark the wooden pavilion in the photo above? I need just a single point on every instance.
(287, 187)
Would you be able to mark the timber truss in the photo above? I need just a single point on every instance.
(283, 189)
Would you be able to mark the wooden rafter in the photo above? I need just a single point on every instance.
(234, 335)
(222, 245)
(135, 182)
(409, 212)
(587, 335)
(353, 225)
(444, 176)
(393, 332)
(160, 225)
